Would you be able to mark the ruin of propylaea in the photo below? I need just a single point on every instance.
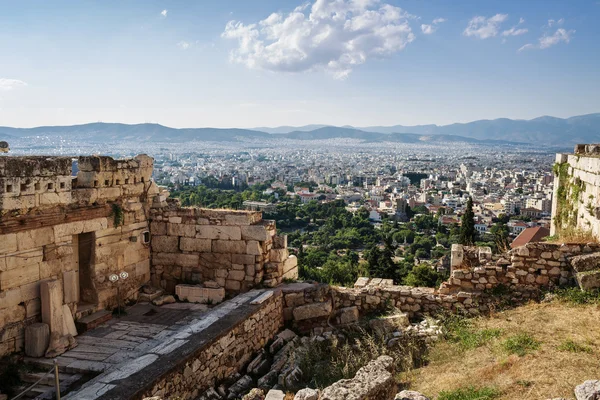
(210, 299)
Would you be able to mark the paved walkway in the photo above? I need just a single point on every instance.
(124, 346)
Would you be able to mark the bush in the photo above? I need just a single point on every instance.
(470, 393)
(520, 344)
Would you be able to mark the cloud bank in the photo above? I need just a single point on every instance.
(10, 84)
(330, 35)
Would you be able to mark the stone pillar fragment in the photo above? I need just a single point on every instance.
(37, 337)
(52, 314)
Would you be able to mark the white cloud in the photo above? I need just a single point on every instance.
(552, 22)
(484, 28)
(330, 35)
(164, 13)
(514, 31)
(428, 29)
(561, 35)
(183, 45)
(10, 84)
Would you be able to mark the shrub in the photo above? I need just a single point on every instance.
(574, 347)
(470, 393)
(520, 344)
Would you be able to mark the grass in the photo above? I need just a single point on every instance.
(575, 295)
(520, 344)
(470, 393)
(560, 341)
(328, 361)
(574, 347)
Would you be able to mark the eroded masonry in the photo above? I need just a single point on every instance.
(64, 236)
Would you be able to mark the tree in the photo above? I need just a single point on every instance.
(467, 228)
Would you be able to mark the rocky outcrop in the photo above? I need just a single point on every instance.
(588, 390)
(375, 381)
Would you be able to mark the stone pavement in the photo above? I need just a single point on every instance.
(125, 346)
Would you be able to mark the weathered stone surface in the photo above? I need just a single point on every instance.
(165, 244)
(219, 232)
(373, 381)
(193, 244)
(37, 338)
(348, 315)
(410, 395)
(588, 390)
(307, 394)
(586, 262)
(389, 323)
(199, 294)
(313, 310)
(274, 394)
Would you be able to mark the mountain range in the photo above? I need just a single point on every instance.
(543, 131)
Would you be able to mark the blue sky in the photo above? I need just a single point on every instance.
(246, 63)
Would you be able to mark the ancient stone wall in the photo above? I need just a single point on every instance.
(236, 250)
(54, 226)
(223, 356)
(576, 203)
(476, 285)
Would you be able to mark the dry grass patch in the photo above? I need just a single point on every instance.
(537, 351)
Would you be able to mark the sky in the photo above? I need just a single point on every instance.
(249, 63)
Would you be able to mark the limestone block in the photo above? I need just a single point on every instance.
(588, 280)
(245, 259)
(37, 338)
(198, 294)
(23, 259)
(71, 287)
(68, 322)
(174, 259)
(181, 230)
(456, 256)
(278, 255)
(219, 232)
(12, 315)
(165, 244)
(109, 193)
(229, 246)
(290, 263)
(8, 243)
(135, 254)
(19, 276)
(348, 315)
(193, 244)
(313, 310)
(158, 228)
(215, 261)
(253, 247)
(255, 232)
(52, 269)
(58, 250)
(232, 285)
(10, 298)
(236, 275)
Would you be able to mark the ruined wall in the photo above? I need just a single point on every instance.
(235, 249)
(576, 200)
(77, 230)
(477, 285)
(223, 356)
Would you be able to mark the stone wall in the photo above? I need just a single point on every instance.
(222, 357)
(50, 220)
(236, 250)
(477, 285)
(576, 197)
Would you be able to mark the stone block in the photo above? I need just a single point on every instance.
(278, 255)
(229, 246)
(255, 232)
(165, 244)
(215, 261)
(174, 259)
(242, 259)
(236, 275)
(219, 232)
(158, 228)
(19, 276)
(181, 230)
(199, 294)
(312, 310)
(8, 243)
(348, 315)
(253, 247)
(37, 338)
(71, 286)
(194, 244)
(68, 322)
(588, 280)
(232, 285)
(290, 263)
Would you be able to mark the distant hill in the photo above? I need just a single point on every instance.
(543, 131)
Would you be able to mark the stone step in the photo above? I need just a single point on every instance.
(92, 321)
(83, 310)
(31, 377)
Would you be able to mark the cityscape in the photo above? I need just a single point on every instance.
(299, 200)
